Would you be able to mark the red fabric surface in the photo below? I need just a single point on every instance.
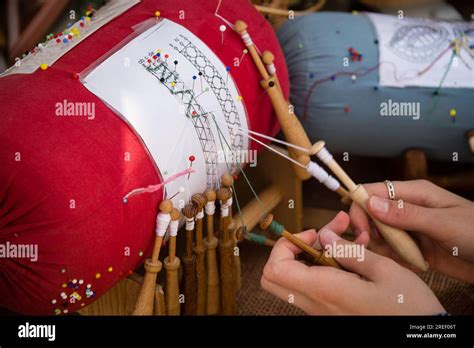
(73, 158)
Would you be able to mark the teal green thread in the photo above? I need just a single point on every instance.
(257, 238)
(277, 228)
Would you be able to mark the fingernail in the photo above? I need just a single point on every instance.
(379, 204)
(328, 236)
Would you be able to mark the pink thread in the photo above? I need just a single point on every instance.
(153, 188)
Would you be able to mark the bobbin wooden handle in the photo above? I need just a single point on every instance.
(290, 125)
(201, 280)
(144, 304)
(318, 256)
(399, 240)
(172, 287)
(189, 285)
(227, 280)
(213, 287)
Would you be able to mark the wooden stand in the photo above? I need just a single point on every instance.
(122, 298)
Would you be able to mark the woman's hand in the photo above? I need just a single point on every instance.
(441, 221)
(372, 284)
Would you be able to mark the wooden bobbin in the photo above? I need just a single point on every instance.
(470, 137)
(189, 283)
(145, 302)
(227, 181)
(399, 240)
(268, 59)
(228, 291)
(172, 264)
(241, 28)
(199, 201)
(319, 258)
(226, 246)
(252, 237)
(290, 125)
(211, 242)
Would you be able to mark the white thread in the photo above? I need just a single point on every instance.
(200, 215)
(210, 208)
(230, 201)
(324, 155)
(271, 69)
(189, 224)
(225, 209)
(322, 176)
(174, 224)
(248, 131)
(162, 223)
(247, 39)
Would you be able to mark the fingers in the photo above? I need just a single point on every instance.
(360, 224)
(285, 250)
(338, 224)
(407, 216)
(420, 192)
(355, 258)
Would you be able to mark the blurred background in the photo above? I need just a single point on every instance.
(24, 23)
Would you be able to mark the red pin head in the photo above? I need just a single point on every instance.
(192, 158)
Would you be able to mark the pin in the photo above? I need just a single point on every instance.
(175, 64)
(44, 66)
(194, 80)
(453, 113)
(222, 28)
(166, 58)
(191, 160)
(157, 14)
(244, 52)
(180, 190)
(200, 74)
(228, 70)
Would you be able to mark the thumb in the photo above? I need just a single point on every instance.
(405, 215)
(355, 257)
